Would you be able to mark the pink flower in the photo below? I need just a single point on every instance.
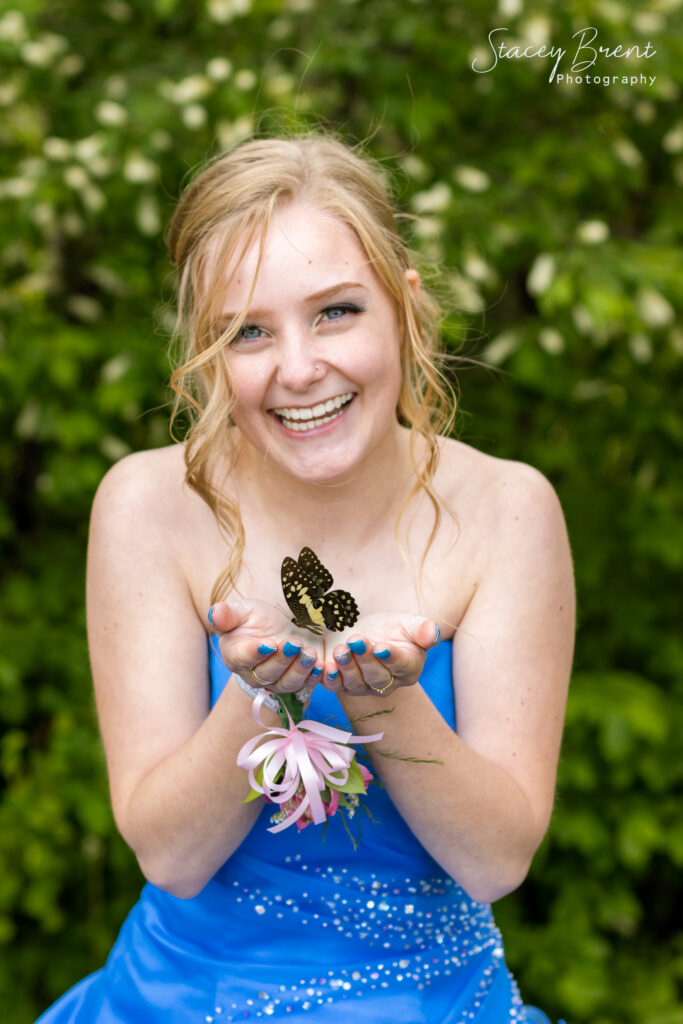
(299, 763)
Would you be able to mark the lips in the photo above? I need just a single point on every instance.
(302, 419)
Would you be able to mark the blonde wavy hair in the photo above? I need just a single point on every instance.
(226, 209)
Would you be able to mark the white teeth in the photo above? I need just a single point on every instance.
(312, 415)
(312, 418)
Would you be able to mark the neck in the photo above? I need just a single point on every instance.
(353, 508)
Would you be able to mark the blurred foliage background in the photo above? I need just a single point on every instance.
(554, 213)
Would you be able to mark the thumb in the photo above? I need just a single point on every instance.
(427, 634)
(225, 617)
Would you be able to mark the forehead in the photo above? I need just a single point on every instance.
(305, 250)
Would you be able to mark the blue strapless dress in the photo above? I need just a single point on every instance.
(301, 929)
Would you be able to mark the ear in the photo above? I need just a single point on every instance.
(413, 279)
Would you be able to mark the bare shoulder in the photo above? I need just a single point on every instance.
(500, 499)
(147, 478)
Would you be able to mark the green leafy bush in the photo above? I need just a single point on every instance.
(553, 212)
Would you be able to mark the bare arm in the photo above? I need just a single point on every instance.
(176, 789)
(485, 809)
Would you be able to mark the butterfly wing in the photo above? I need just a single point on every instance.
(296, 586)
(339, 610)
(320, 578)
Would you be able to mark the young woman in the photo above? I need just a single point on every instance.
(310, 372)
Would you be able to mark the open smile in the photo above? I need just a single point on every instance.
(307, 418)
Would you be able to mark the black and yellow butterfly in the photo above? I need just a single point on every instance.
(305, 584)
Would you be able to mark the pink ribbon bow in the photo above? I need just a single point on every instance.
(311, 753)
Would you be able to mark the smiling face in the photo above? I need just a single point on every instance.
(316, 367)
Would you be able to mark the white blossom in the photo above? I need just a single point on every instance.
(116, 367)
(16, 188)
(497, 351)
(13, 27)
(655, 310)
(510, 8)
(114, 448)
(118, 10)
(592, 232)
(629, 154)
(477, 269)
(84, 307)
(428, 227)
(465, 295)
(93, 198)
(640, 347)
(583, 321)
(280, 85)
(191, 89)
(647, 23)
(472, 179)
(75, 177)
(230, 132)
(541, 274)
(147, 215)
(88, 148)
(551, 341)
(57, 149)
(9, 92)
(138, 169)
(219, 68)
(194, 115)
(245, 80)
(415, 167)
(673, 140)
(43, 51)
(116, 87)
(70, 65)
(535, 30)
(111, 114)
(223, 11)
(433, 200)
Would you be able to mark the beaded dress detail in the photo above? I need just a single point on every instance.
(298, 928)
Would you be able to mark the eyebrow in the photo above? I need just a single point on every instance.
(325, 293)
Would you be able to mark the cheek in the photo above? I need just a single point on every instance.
(247, 384)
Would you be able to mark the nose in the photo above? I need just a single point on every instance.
(299, 363)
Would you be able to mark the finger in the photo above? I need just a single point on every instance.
(374, 671)
(349, 671)
(241, 653)
(302, 673)
(270, 671)
(225, 617)
(331, 679)
(427, 634)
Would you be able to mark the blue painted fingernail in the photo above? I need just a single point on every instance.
(357, 646)
(316, 671)
(289, 650)
(333, 675)
(382, 654)
(210, 610)
(438, 634)
(306, 659)
(265, 649)
(344, 658)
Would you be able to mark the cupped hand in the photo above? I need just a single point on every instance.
(260, 643)
(382, 653)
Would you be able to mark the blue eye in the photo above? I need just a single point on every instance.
(250, 332)
(337, 312)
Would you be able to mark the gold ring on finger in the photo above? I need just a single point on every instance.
(384, 688)
(259, 682)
